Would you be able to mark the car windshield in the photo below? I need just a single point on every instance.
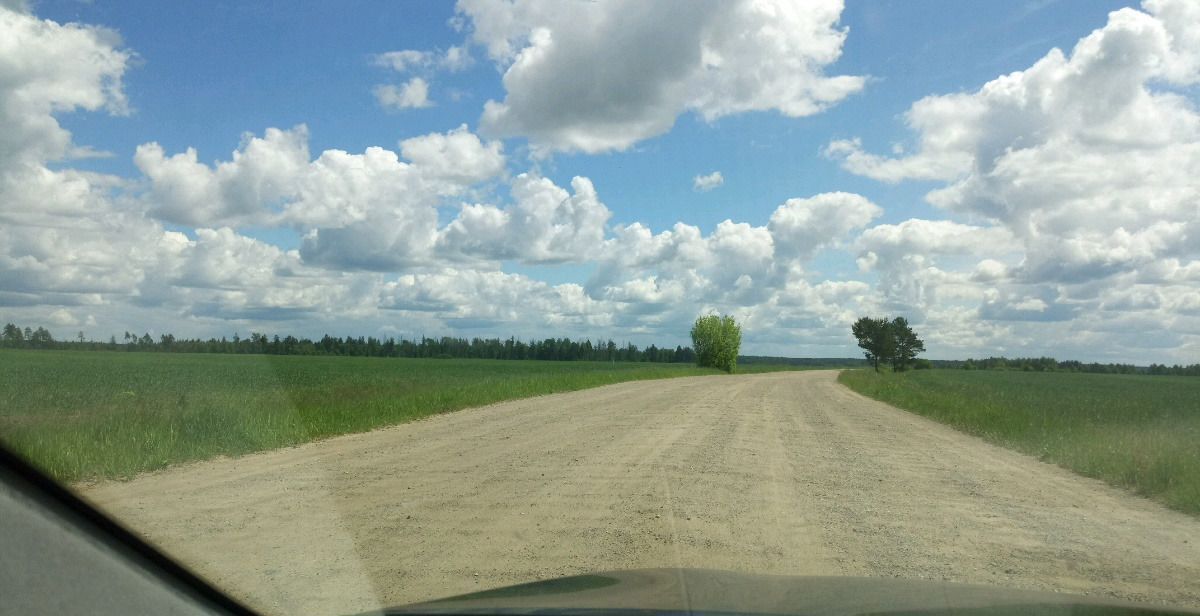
(354, 305)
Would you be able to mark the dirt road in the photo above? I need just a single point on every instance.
(778, 473)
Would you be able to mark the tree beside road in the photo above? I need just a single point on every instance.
(889, 341)
(716, 340)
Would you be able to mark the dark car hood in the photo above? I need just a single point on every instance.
(643, 592)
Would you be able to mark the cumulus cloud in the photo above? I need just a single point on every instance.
(1083, 167)
(737, 266)
(50, 68)
(933, 238)
(545, 224)
(375, 212)
(260, 172)
(705, 183)
(457, 156)
(923, 265)
(603, 76)
(61, 238)
(271, 179)
(472, 298)
(413, 94)
(1079, 147)
(802, 226)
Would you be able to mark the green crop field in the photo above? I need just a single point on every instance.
(85, 415)
(1138, 432)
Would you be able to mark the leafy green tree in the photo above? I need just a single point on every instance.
(40, 339)
(12, 336)
(906, 344)
(716, 340)
(884, 340)
(875, 339)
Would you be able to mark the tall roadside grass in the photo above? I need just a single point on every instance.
(1137, 432)
(90, 415)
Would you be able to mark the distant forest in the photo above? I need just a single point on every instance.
(1049, 364)
(552, 349)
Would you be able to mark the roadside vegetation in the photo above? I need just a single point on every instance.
(717, 340)
(1049, 364)
(1136, 432)
(889, 341)
(445, 347)
(86, 415)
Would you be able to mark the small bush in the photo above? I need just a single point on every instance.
(717, 340)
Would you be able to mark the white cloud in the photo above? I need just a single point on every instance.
(61, 317)
(51, 68)
(705, 183)
(223, 259)
(63, 242)
(545, 224)
(736, 267)
(478, 299)
(404, 60)
(457, 156)
(1086, 162)
(414, 94)
(456, 58)
(989, 271)
(1097, 101)
(931, 269)
(241, 190)
(1179, 18)
(930, 166)
(934, 238)
(271, 180)
(603, 76)
(802, 226)
(373, 211)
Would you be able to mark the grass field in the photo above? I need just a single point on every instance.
(85, 415)
(1138, 432)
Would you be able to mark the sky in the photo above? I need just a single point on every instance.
(1018, 178)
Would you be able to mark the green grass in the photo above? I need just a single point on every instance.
(1137, 432)
(89, 415)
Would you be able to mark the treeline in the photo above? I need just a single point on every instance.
(551, 349)
(1049, 364)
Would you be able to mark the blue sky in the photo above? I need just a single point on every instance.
(973, 268)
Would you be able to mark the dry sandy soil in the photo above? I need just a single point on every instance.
(785, 473)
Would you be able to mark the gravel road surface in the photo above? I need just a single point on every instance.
(785, 473)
